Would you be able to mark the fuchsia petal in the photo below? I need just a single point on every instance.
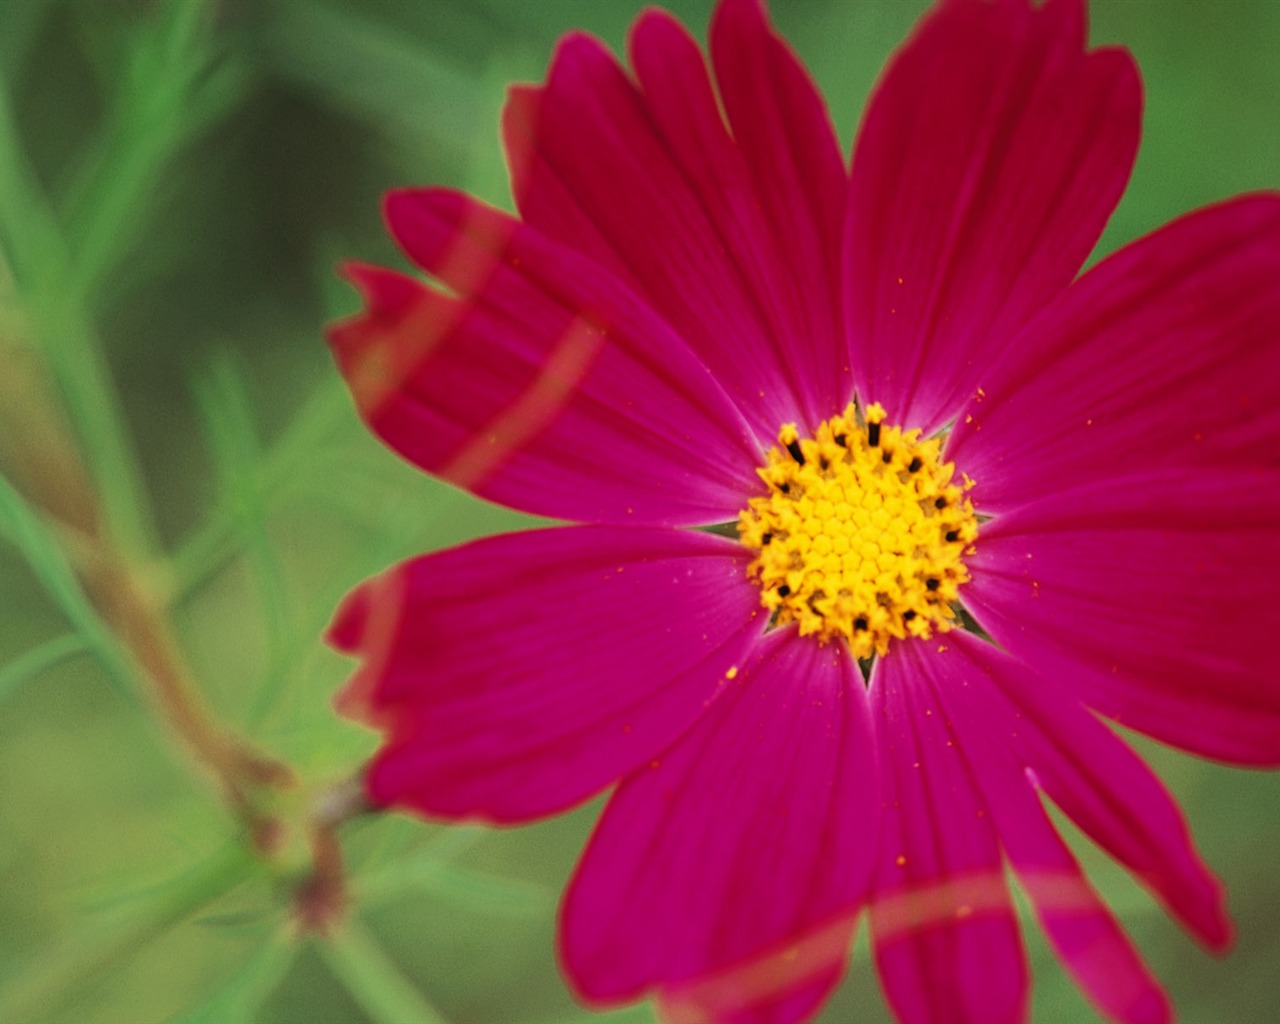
(946, 935)
(728, 873)
(991, 156)
(521, 674)
(1165, 354)
(730, 242)
(546, 386)
(781, 125)
(1102, 785)
(1151, 598)
(991, 731)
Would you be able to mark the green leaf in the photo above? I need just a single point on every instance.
(29, 665)
(29, 238)
(173, 88)
(223, 397)
(378, 73)
(240, 999)
(223, 534)
(60, 976)
(19, 26)
(640, 1013)
(31, 244)
(374, 981)
(42, 552)
(450, 881)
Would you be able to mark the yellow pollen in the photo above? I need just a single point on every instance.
(862, 534)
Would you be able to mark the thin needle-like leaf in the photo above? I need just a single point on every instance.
(42, 552)
(31, 244)
(240, 998)
(174, 87)
(223, 534)
(374, 981)
(228, 419)
(61, 976)
(458, 884)
(29, 665)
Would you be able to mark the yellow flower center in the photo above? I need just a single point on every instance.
(862, 534)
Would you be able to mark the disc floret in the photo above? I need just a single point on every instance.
(863, 532)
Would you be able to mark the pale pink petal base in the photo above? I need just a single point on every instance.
(518, 675)
(728, 872)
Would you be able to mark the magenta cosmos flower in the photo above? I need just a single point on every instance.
(880, 506)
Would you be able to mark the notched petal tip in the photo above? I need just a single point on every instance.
(366, 625)
(456, 238)
(387, 343)
(387, 294)
(348, 624)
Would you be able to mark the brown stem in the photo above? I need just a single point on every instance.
(39, 450)
(127, 607)
(36, 445)
(320, 900)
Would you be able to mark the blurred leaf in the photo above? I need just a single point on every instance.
(640, 1013)
(240, 999)
(450, 881)
(42, 552)
(29, 238)
(37, 660)
(222, 535)
(374, 981)
(637, 1013)
(237, 919)
(433, 867)
(32, 245)
(173, 88)
(19, 25)
(382, 75)
(60, 976)
(223, 398)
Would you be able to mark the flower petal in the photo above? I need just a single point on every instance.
(546, 385)
(946, 935)
(1165, 354)
(729, 873)
(1105, 788)
(781, 125)
(520, 674)
(991, 156)
(1151, 598)
(649, 182)
(1078, 924)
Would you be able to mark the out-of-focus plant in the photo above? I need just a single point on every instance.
(198, 627)
(75, 505)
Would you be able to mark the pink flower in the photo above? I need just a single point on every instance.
(1051, 496)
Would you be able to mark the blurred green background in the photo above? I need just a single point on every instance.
(177, 181)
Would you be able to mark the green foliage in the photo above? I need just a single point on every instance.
(176, 179)
(35, 661)
(239, 1000)
(376, 983)
(46, 559)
